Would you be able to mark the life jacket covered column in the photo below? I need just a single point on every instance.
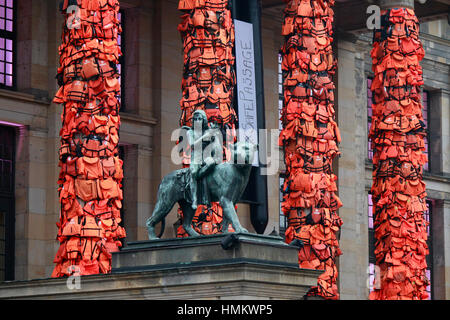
(91, 173)
(310, 138)
(208, 83)
(397, 134)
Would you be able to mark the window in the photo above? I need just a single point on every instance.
(372, 258)
(122, 155)
(280, 90)
(7, 44)
(7, 230)
(6, 160)
(121, 64)
(119, 42)
(429, 271)
(369, 116)
(283, 219)
(425, 111)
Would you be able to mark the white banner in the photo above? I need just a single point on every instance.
(246, 84)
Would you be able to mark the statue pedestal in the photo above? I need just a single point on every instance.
(253, 267)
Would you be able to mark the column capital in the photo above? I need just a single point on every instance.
(444, 91)
(145, 151)
(387, 4)
(446, 203)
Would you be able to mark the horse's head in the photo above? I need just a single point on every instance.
(244, 153)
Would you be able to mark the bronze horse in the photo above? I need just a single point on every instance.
(226, 183)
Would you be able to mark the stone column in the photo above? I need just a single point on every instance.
(351, 93)
(130, 191)
(398, 191)
(208, 85)
(435, 122)
(32, 47)
(441, 250)
(140, 68)
(90, 189)
(21, 268)
(446, 225)
(136, 187)
(168, 46)
(440, 134)
(144, 181)
(309, 137)
(34, 227)
(387, 4)
(445, 127)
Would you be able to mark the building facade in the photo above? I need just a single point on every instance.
(152, 67)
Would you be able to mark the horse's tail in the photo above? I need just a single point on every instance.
(165, 202)
(163, 226)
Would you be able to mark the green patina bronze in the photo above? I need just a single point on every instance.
(224, 183)
(205, 144)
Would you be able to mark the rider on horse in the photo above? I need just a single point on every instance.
(205, 143)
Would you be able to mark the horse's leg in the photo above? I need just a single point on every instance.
(230, 215)
(225, 222)
(188, 215)
(165, 202)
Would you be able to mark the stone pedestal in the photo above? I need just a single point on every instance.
(238, 266)
(245, 266)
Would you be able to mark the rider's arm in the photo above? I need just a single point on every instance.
(202, 138)
(188, 135)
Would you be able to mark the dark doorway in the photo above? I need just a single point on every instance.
(7, 212)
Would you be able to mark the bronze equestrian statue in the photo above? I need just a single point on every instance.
(225, 183)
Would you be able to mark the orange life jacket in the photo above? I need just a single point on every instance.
(86, 189)
(90, 228)
(89, 168)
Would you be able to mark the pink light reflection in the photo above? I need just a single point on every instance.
(22, 131)
(11, 124)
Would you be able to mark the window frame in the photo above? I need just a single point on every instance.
(122, 61)
(370, 150)
(8, 198)
(371, 242)
(11, 35)
(283, 222)
(427, 168)
(283, 219)
(429, 258)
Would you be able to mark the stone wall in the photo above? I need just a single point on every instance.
(436, 69)
(153, 89)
